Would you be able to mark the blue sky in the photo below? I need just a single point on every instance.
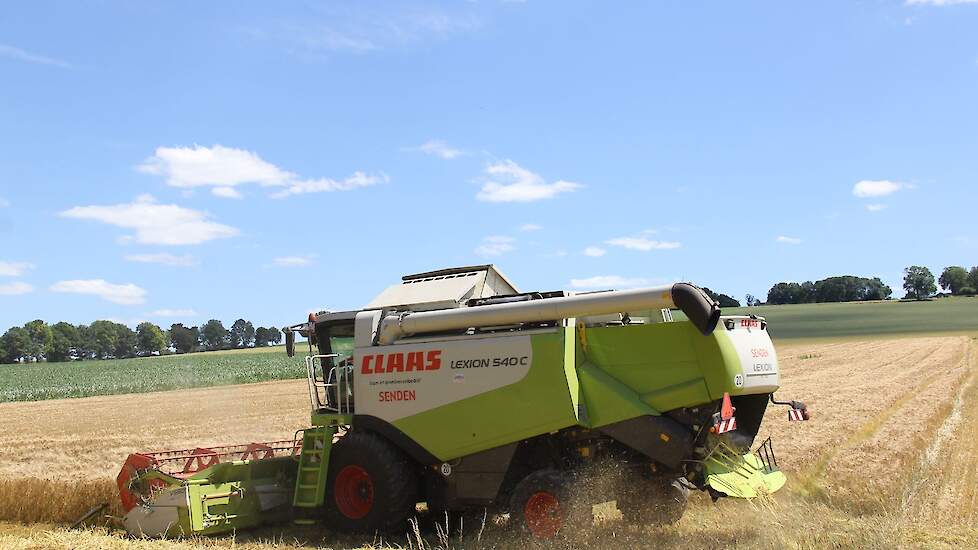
(185, 161)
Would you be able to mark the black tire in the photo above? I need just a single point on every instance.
(652, 500)
(545, 506)
(371, 486)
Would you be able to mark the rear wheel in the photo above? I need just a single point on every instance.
(652, 501)
(371, 485)
(544, 505)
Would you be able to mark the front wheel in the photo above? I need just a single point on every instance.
(545, 506)
(371, 485)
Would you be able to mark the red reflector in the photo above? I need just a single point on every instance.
(727, 409)
(725, 426)
(312, 317)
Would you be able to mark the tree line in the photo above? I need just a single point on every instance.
(845, 288)
(39, 341)
(959, 281)
(918, 282)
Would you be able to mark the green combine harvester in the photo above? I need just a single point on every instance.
(455, 389)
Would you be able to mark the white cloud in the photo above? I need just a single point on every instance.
(606, 282)
(292, 261)
(326, 185)
(171, 313)
(643, 243)
(440, 149)
(939, 2)
(510, 182)
(15, 288)
(223, 168)
(165, 224)
(494, 245)
(126, 294)
(226, 193)
(14, 269)
(876, 188)
(594, 251)
(24, 55)
(163, 258)
(212, 166)
(875, 207)
(530, 227)
(788, 240)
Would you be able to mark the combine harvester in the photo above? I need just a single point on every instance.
(455, 389)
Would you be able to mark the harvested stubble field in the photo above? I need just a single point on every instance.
(890, 458)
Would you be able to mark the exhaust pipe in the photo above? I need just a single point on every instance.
(701, 310)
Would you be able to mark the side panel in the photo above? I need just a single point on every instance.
(672, 365)
(661, 362)
(401, 380)
(535, 404)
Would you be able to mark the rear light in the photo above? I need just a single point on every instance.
(724, 420)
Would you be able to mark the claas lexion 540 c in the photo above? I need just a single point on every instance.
(454, 389)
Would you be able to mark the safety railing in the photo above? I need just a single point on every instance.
(336, 384)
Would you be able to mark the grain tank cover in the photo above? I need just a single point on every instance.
(444, 288)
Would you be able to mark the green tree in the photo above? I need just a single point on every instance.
(126, 341)
(183, 339)
(261, 337)
(85, 349)
(918, 281)
(973, 277)
(954, 278)
(723, 299)
(214, 335)
(16, 344)
(787, 293)
(65, 341)
(274, 335)
(150, 339)
(875, 289)
(40, 334)
(103, 339)
(242, 334)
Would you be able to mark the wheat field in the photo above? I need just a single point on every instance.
(889, 459)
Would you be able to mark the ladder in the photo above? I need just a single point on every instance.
(310, 482)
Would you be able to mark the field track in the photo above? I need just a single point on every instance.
(889, 459)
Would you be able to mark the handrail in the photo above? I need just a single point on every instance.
(341, 376)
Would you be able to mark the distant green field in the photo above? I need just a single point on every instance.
(861, 319)
(32, 382)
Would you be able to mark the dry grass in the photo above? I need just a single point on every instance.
(33, 500)
(889, 459)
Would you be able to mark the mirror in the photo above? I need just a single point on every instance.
(290, 342)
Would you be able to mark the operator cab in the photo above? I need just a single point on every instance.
(330, 369)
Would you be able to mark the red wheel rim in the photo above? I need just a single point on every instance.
(354, 492)
(542, 514)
